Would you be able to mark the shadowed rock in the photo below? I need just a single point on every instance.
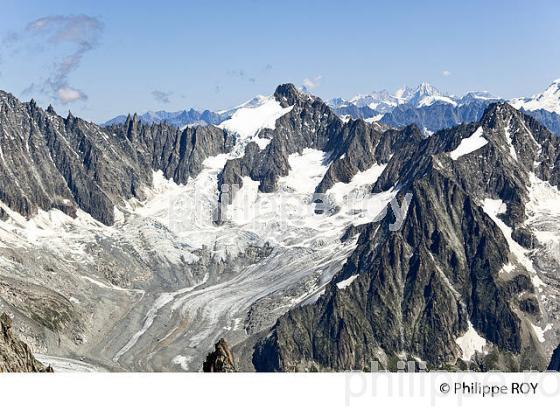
(555, 361)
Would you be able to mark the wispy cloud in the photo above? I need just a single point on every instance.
(311, 83)
(162, 96)
(446, 73)
(241, 74)
(237, 72)
(68, 95)
(79, 34)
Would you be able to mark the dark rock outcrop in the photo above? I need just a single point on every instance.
(179, 154)
(555, 361)
(16, 356)
(220, 360)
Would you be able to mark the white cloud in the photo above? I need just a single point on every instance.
(446, 73)
(311, 83)
(68, 94)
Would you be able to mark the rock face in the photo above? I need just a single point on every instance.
(220, 360)
(179, 154)
(15, 356)
(417, 289)
(66, 163)
(310, 124)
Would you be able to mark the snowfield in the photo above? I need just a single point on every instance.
(248, 121)
(470, 144)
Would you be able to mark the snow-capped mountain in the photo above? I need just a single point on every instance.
(380, 101)
(425, 106)
(544, 107)
(433, 110)
(423, 95)
(426, 95)
(181, 119)
(151, 243)
(548, 100)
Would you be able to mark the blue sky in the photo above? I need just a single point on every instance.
(128, 56)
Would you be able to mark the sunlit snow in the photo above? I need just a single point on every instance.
(548, 100)
(470, 144)
(343, 284)
(248, 121)
(470, 343)
(495, 207)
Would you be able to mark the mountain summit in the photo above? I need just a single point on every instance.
(548, 100)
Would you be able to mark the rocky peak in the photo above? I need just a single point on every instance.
(131, 126)
(220, 360)
(498, 111)
(424, 90)
(427, 89)
(287, 94)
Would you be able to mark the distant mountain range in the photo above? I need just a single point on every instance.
(178, 119)
(426, 106)
(433, 110)
(181, 119)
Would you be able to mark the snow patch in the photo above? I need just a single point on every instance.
(470, 343)
(539, 331)
(512, 151)
(343, 284)
(433, 99)
(495, 207)
(182, 361)
(470, 144)
(340, 190)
